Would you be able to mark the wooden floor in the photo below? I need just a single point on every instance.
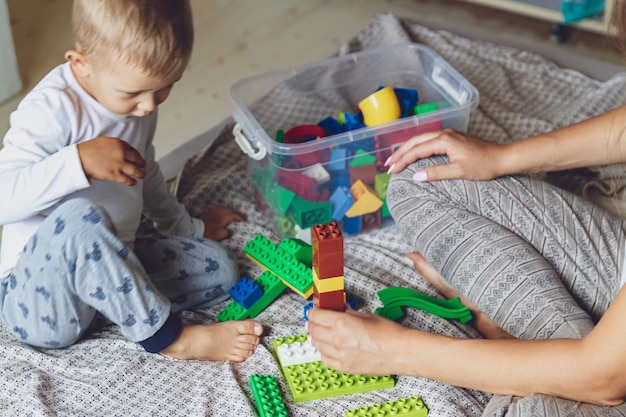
(240, 38)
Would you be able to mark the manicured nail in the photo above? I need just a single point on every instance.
(420, 176)
(391, 168)
(387, 161)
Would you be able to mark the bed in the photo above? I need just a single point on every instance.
(105, 375)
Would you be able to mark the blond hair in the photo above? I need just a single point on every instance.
(154, 35)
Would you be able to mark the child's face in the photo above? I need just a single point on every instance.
(127, 90)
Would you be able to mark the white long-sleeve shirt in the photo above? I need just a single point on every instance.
(40, 167)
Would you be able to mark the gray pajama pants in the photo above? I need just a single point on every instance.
(75, 269)
(541, 262)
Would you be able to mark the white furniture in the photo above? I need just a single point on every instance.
(549, 10)
(10, 83)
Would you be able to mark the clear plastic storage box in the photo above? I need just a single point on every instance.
(317, 136)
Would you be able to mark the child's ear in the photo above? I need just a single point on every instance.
(79, 63)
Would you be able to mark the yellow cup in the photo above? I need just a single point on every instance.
(380, 107)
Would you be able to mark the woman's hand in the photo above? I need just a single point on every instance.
(470, 158)
(358, 343)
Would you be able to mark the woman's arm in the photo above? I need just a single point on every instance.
(600, 140)
(591, 370)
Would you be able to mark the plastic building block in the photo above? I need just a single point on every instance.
(407, 98)
(403, 407)
(366, 200)
(281, 263)
(395, 298)
(328, 284)
(327, 242)
(327, 238)
(295, 350)
(317, 172)
(380, 107)
(314, 380)
(302, 185)
(299, 248)
(365, 173)
(309, 213)
(371, 220)
(332, 300)
(425, 108)
(233, 311)
(361, 158)
(285, 225)
(306, 309)
(341, 200)
(272, 287)
(303, 133)
(351, 225)
(267, 396)
(331, 126)
(381, 181)
(246, 292)
(338, 160)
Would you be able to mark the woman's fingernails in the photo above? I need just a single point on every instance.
(387, 161)
(391, 168)
(420, 176)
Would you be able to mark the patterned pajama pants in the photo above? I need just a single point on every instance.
(75, 267)
(539, 261)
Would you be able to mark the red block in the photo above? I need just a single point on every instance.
(327, 238)
(303, 185)
(333, 300)
(389, 142)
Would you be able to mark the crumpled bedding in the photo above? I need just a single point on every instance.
(521, 94)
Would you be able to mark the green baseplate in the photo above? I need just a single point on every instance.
(314, 380)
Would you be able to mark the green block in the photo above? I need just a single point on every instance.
(309, 213)
(233, 311)
(395, 298)
(281, 263)
(299, 248)
(314, 381)
(381, 181)
(425, 108)
(272, 287)
(403, 407)
(361, 158)
(267, 396)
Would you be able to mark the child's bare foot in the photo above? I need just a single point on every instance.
(481, 322)
(232, 341)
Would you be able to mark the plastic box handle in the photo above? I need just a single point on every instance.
(246, 146)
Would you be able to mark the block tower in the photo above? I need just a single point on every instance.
(327, 266)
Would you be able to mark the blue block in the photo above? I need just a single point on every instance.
(341, 200)
(331, 126)
(352, 225)
(246, 292)
(340, 180)
(407, 98)
(338, 160)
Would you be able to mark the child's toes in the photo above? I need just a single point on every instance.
(250, 327)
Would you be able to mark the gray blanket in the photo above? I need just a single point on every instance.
(105, 375)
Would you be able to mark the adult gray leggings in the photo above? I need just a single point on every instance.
(538, 260)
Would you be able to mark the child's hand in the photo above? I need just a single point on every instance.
(111, 159)
(216, 219)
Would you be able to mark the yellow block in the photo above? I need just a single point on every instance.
(327, 284)
(366, 200)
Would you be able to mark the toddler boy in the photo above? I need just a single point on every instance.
(77, 172)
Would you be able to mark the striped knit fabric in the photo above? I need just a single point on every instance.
(541, 262)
